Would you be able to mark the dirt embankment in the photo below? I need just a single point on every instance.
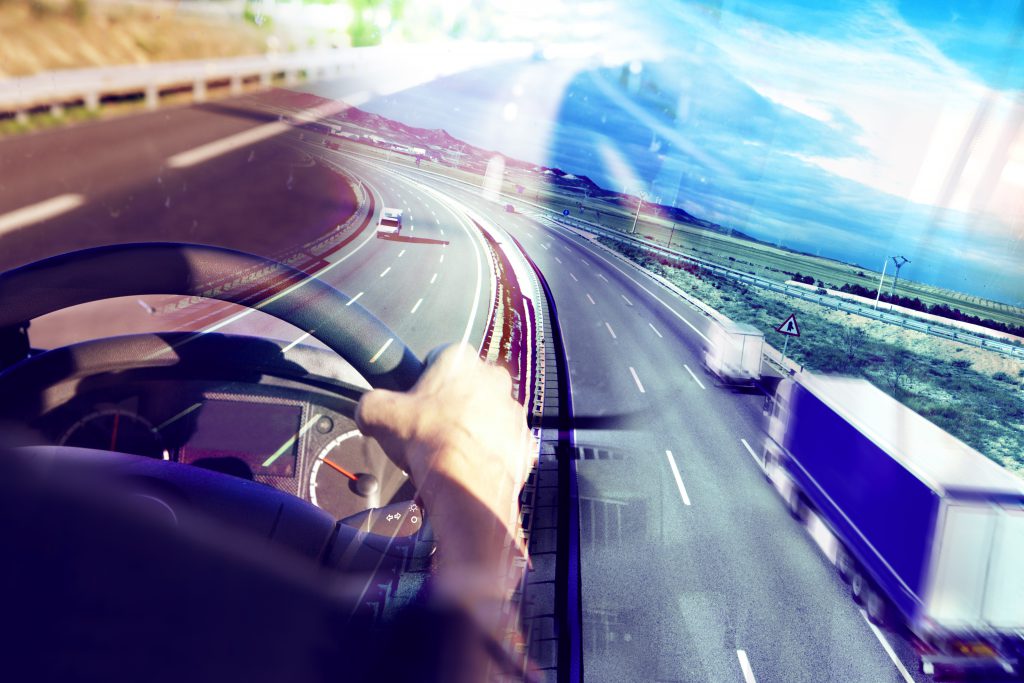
(42, 35)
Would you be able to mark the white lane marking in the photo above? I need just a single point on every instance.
(636, 379)
(441, 260)
(603, 277)
(626, 298)
(386, 271)
(652, 294)
(567, 248)
(295, 343)
(655, 330)
(416, 306)
(748, 673)
(751, 451)
(678, 478)
(198, 155)
(40, 211)
(591, 299)
(584, 261)
(888, 649)
(442, 231)
(353, 299)
(384, 348)
(574, 277)
(544, 246)
(401, 253)
(558, 259)
(699, 383)
(611, 332)
(432, 279)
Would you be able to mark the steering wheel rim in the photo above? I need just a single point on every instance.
(258, 283)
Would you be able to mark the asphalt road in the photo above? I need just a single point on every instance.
(700, 576)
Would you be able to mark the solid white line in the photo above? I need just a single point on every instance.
(353, 299)
(296, 342)
(401, 253)
(655, 330)
(603, 277)
(888, 649)
(574, 277)
(748, 673)
(627, 299)
(612, 332)
(751, 451)
(591, 299)
(433, 278)
(40, 211)
(216, 148)
(416, 306)
(636, 379)
(386, 271)
(384, 348)
(699, 383)
(679, 479)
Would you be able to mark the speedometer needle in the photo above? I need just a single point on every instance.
(342, 470)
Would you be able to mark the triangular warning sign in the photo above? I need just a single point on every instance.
(789, 326)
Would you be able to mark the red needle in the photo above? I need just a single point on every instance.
(341, 469)
(113, 436)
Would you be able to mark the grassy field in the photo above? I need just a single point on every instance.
(974, 394)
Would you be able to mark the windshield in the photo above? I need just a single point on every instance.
(649, 213)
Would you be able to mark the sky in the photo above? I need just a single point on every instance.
(855, 130)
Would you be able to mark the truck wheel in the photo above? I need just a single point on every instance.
(844, 564)
(858, 587)
(876, 607)
(796, 505)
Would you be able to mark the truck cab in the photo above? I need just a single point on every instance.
(389, 225)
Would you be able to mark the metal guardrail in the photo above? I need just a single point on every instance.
(836, 303)
(89, 87)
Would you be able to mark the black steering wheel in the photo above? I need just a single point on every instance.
(286, 293)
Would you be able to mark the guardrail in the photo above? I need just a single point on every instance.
(55, 90)
(798, 292)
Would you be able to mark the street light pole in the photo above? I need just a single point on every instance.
(878, 294)
(640, 203)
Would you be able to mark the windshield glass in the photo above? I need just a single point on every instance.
(649, 213)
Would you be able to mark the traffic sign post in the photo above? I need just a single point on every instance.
(790, 328)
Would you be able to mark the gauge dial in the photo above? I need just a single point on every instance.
(116, 429)
(352, 473)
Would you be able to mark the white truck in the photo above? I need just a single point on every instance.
(390, 223)
(734, 351)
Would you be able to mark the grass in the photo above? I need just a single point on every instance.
(974, 394)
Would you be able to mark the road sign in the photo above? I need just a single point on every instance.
(565, 212)
(789, 326)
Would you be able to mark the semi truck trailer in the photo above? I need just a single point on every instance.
(927, 531)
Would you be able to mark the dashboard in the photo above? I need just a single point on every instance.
(285, 433)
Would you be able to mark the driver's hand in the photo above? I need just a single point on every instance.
(465, 443)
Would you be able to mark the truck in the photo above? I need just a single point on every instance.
(927, 531)
(389, 225)
(734, 352)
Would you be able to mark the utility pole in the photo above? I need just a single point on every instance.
(900, 261)
(640, 203)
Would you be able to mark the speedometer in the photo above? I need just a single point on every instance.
(351, 473)
(116, 429)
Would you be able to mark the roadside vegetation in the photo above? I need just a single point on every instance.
(974, 394)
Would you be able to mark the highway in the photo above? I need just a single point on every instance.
(692, 568)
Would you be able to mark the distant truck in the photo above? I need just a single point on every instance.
(734, 352)
(390, 223)
(928, 532)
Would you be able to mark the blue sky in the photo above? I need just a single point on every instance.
(857, 130)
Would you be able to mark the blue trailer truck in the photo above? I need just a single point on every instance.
(928, 532)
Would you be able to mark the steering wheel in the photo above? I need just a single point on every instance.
(286, 293)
